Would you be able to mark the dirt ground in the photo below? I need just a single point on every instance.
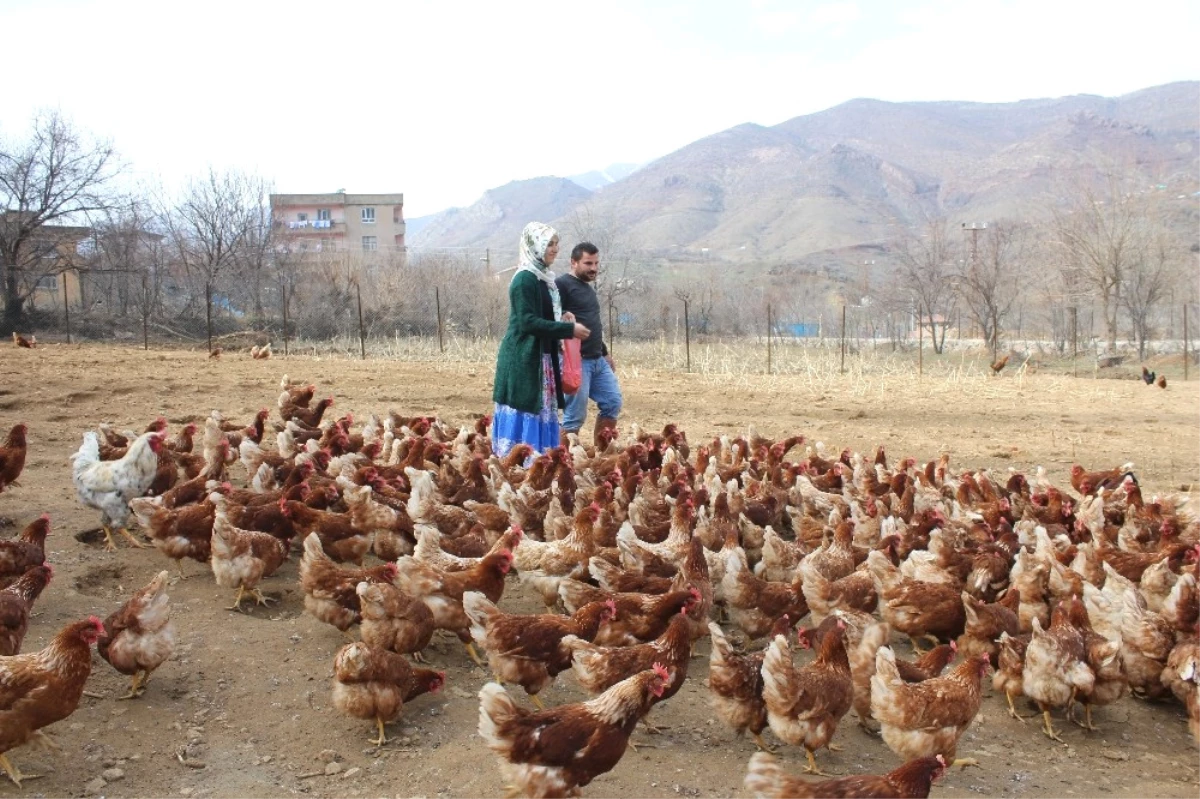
(246, 699)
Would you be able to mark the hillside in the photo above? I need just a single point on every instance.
(857, 174)
(496, 219)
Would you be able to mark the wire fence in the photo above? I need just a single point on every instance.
(452, 305)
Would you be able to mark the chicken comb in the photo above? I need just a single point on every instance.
(660, 670)
(953, 646)
(612, 606)
(45, 517)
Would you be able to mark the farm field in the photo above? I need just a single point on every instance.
(244, 707)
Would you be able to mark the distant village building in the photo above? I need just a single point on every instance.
(340, 222)
(51, 260)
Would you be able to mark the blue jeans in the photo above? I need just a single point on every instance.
(600, 385)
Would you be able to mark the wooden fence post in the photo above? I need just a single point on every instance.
(208, 313)
(843, 366)
(1074, 341)
(362, 331)
(285, 320)
(770, 326)
(920, 341)
(66, 306)
(612, 331)
(687, 336)
(437, 299)
(1185, 342)
(145, 314)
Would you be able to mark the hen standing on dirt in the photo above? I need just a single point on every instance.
(108, 486)
(139, 637)
(40, 688)
(12, 456)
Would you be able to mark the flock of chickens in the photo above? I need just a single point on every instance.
(638, 549)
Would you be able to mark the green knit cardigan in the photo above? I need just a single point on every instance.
(531, 333)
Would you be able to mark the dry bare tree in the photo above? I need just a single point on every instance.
(1148, 281)
(215, 225)
(926, 266)
(620, 270)
(1102, 234)
(57, 175)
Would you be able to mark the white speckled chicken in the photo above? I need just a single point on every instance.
(108, 486)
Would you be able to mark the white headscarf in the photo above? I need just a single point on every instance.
(535, 239)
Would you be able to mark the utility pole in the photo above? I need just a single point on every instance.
(974, 228)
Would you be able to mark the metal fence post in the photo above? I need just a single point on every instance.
(437, 299)
(66, 306)
(362, 331)
(687, 336)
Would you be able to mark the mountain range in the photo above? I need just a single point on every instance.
(852, 176)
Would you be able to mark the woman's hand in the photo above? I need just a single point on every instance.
(581, 332)
(568, 317)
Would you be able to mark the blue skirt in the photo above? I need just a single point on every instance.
(540, 430)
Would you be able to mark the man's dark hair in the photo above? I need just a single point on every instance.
(584, 248)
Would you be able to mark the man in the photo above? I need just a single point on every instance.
(578, 292)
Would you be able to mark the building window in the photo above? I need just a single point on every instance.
(323, 214)
(302, 217)
(370, 243)
(49, 282)
(368, 216)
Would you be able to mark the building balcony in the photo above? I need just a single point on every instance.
(318, 227)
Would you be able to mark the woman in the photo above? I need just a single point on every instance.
(528, 387)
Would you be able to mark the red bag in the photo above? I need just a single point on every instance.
(572, 366)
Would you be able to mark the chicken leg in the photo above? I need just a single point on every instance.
(135, 690)
(474, 655)
(237, 602)
(1087, 723)
(382, 739)
(137, 544)
(1012, 710)
(537, 701)
(1047, 727)
(811, 768)
(13, 772)
(762, 745)
(259, 598)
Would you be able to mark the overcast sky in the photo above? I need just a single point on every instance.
(442, 100)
